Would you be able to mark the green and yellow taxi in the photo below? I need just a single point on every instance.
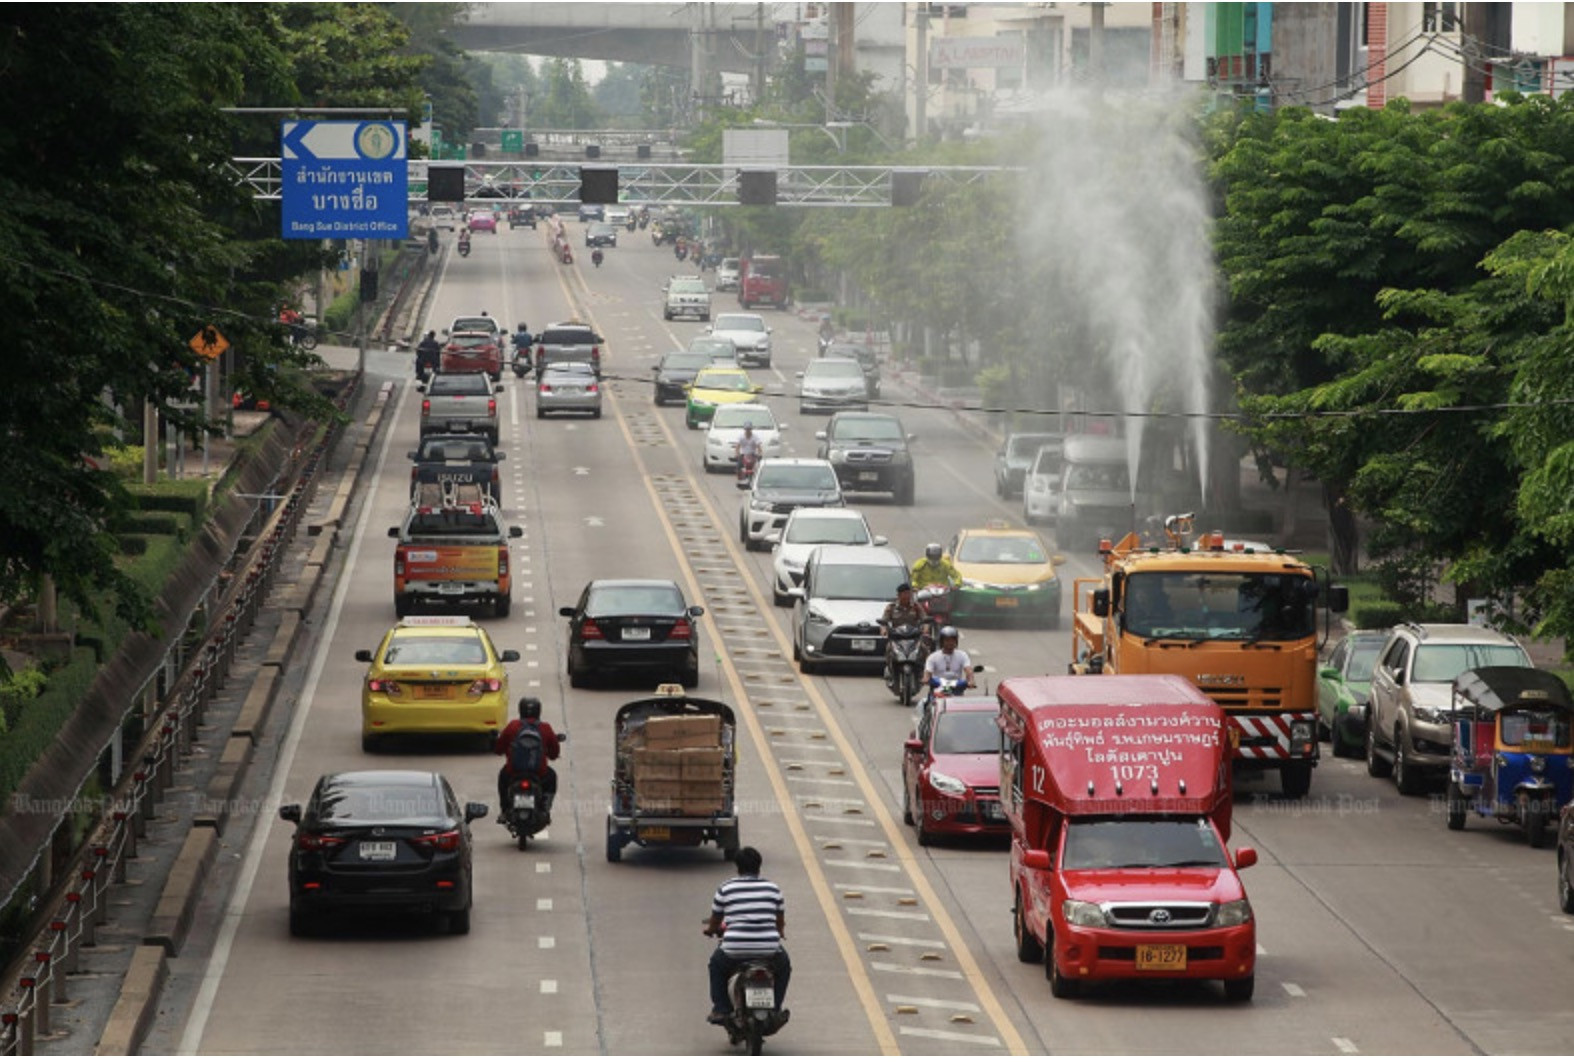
(434, 675)
(717, 386)
(1007, 573)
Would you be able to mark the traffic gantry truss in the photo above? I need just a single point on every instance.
(659, 183)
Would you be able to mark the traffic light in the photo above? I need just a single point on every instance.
(532, 150)
(598, 184)
(368, 286)
(907, 187)
(642, 151)
(757, 187)
(445, 184)
(478, 150)
(592, 151)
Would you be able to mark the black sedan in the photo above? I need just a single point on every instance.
(675, 372)
(375, 841)
(632, 625)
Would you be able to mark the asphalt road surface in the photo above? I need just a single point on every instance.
(1380, 931)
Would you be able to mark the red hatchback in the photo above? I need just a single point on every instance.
(951, 771)
(473, 352)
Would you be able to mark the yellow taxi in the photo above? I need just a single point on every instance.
(1006, 573)
(434, 675)
(717, 386)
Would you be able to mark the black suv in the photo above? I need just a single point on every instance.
(458, 459)
(869, 452)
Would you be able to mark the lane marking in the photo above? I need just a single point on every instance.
(549, 988)
(938, 1004)
(947, 1034)
(1292, 989)
(546, 943)
(915, 971)
(905, 916)
(218, 962)
(543, 868)
(1346, 1047)
(858, 864)
(544, 904)
(888, 890)
(912, 942)
(552, 1039)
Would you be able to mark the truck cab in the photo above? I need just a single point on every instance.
(1117, 789)
(763, 278)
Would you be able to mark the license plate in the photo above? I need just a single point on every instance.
(377, 851)
(636, 634)
(868, 477)
(1161, 956)
(863, 645)
(1006, 602)
(759, 998)
(524, 800)
(431, 693)
(993, 812)
(451, 588)
(655, 833)
(459, 425)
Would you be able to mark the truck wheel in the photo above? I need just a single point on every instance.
(1456, 807)
(501, 606)
(1376, 766)
(1240, 989)
(1565, 890)
(1295, 780)
(904, 495)
(1028, 947)
(401, 606)
(1060, 986)
(1535, 823)
(614, 843)
(1342, 749)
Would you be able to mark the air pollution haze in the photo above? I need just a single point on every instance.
(1117, 211)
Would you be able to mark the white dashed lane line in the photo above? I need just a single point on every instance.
(1345, 1046)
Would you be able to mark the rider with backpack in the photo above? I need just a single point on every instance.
(528, 745)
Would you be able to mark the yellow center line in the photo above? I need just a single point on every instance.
(970, 969)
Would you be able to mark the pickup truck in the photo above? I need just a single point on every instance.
(456, 459)
(460, 403)
(568, 341)
(453, 550)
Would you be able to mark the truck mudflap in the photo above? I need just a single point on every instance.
(1274, 735)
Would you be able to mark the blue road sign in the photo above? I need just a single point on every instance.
(345, 180)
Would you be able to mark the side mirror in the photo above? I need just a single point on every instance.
(421, 387)
(516, 532)
(475, 811)
(757, 388)
(509, 656)
(704, 425)
(913, 745)
(911, 437)
(1101, 602)
(1057, 559)
(695, 611)
(820, 435)
(413, 455)
(880, 540)
(393, 532)
(1339, 599)
(781, 427)
(363, 656)
(1037, 859)
(773, 537)
(798, 375)
(498, 455)
(798, 593)
(445, 331)
(1245, 856)
(290, 813)
(566, 610)
(1328, 673)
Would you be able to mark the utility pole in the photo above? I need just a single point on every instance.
(1096, 43)
(832, 58)
(759, 54)
(921, 86)
(1474, 25)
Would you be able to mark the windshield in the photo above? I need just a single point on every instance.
(712, 347)
(473, 324)
(1018, 549)
(739, 322)
(723, 381)
(1363, 661)
(686, 360)
(1025, 446)
(858, 582)
(1098, 477)
(452, 449)
(415, 651)
(1232, 606)
(827, 530)
(625, 600)
(872, 428)
(797, 477)
(737, 417)
(688, 287)
(1102, 844)
(966, 733)
(454, 522)
(460, 383)
(377, 803)
(1444, 663)
(835, 370)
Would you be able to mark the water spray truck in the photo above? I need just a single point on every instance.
(1237, 619)
(1117, 788)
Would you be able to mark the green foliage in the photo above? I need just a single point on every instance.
(563, 100)
(1379, 615)
(17, 690)
(188, 497)
(40, 720)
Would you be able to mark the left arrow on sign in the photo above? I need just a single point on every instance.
(293, 140)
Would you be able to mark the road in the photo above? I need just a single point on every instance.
(1381, 932)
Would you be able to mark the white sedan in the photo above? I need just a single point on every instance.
(726, 428)
(804, 531)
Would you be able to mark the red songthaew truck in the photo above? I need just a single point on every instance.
(1117, 788)
(763, 278)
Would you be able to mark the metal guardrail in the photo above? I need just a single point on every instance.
(25, 1011)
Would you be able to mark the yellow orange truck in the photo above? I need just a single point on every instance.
(452, 551)
(1239, 620)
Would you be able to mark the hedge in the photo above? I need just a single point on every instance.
(42, 719)
(187, 496)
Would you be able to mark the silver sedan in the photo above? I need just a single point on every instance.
(569, 387)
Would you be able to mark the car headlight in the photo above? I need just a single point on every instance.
(1032, 588)
(818, 618)
(759, 505)
(1428, 714)
(1082, 913)
(793, 566)
(1234, 913)
(900, 457)
(1538, 765)
(836, 457)
(944, 783)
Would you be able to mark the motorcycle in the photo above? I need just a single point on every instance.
(464, 248)
(947, 688)
(521, 361)
(631, 223)
(935, 599)
(754, 1016)
(905, 652)
(746, 463)
(596, 257)
(528, 811)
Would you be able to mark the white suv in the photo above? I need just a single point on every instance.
(686, 297)
(1409, 731)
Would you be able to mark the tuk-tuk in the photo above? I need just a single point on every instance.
(1512, 742)
(673, 780)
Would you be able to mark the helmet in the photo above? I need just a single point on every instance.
(933, 551)
(523, 327)
(529, 708)
(949, 632)
(748, 425)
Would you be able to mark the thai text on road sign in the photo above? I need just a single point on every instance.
(345, 180)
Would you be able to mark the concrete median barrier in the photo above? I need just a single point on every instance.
(177, 904)
(253, 717)
(137, 1003)
(224, 786)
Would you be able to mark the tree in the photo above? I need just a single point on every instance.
(565, 101)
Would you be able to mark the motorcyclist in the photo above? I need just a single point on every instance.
(428, 355)
(948, 662)
(903, 612)
(749, 914)
(827, 331)
(294, 320)
(464, 241)
(522, 340)
(596, 257)
(529, 714)
(934, 569)
(748, 444)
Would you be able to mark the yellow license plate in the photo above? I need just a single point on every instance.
(432, 693)
(1161, 956)
(1006, 602)
(655, 833)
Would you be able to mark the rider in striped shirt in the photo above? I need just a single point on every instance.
(748, 912)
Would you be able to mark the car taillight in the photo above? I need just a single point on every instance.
(544, 389)
(541, 351)
(388, 686)
(595, 353)
(589, 629)
(485, 685)
(491, 407)
(426, 407)
(447, 841)
(317, 842)
(502, 560)
(399, 561)
(591, 389)
(681, 629)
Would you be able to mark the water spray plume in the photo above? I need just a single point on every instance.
(1117, 216)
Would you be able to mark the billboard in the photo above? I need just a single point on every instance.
(969, 53)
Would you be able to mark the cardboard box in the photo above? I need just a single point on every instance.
(683, 732)
(702, 765)
(657, 789)
(699, 806)
(653, 764)
(701, 790)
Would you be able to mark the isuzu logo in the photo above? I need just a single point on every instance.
(1221, 680)
(1159, 916)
